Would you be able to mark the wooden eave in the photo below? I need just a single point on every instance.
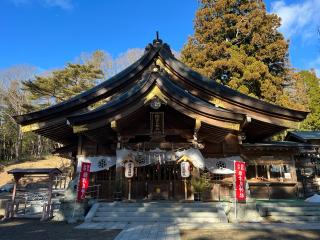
(34, 171)
(72, 148)
(303, 136)
(107, 88)
(276, 146)
(228, 98)
(63, 134)
(182, 88)
(175, 97)
(258, 130)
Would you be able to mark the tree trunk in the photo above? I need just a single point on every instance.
(39, 147)
(18, 145)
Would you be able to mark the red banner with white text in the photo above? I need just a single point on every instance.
(240, 180)
(83, 181)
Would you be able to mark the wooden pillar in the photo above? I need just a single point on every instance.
(47, 208)
(14, 193)
(119, 171)
(256, 170)
(80, 140)
(75, 165)
(293, 169)
(79, 152)
(50, 193)
(185, 189)
(280, 171)
(268, 171)
(195, 173)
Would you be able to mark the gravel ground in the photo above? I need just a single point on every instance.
(267, 234)
(36, 230)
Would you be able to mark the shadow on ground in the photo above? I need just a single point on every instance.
(247, 234)
(36, 230)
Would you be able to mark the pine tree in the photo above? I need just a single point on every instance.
(60, 85)
(236, 43)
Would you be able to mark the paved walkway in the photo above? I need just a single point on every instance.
(257, 226)
(167, 231)
(141, 231)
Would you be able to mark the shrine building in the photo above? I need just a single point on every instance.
(158, 113)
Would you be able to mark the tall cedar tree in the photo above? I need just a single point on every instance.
(60, 85)
(236, 43)
(312, 85)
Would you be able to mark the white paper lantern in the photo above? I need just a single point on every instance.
(129, 169)
(185, 169)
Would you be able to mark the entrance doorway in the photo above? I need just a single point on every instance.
(159, 182)
(151, 182)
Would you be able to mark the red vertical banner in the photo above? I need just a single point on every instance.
(240, 180)
(83, 181)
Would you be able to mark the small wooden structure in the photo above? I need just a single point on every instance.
(307, 162)
(18, 173)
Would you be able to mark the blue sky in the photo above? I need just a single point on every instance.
(49, 33)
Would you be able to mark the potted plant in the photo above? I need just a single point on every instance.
(200, 185)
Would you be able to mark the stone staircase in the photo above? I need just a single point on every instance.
(290, 212)
(157, 212)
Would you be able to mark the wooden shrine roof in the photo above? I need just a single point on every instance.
(303, 136)
(159, 74)
(275, 146)
(34, 171)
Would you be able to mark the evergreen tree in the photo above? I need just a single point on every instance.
(236, 42)
(312, 85)
(60, 85)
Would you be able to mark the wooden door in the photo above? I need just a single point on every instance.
(158, 182)
(106, 181)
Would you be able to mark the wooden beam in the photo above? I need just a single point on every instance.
(30, 127)
(160, 63)
(39, 125)
(114, 126)
(197, 125)
(251, 113)
(155, 92)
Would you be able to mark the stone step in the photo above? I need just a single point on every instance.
(157, 214)
(157, 219)
(159, 205)
(294, 213)
(293, 219)
(155, 209)
(293, 209)
(281, 204)
(198, 204)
